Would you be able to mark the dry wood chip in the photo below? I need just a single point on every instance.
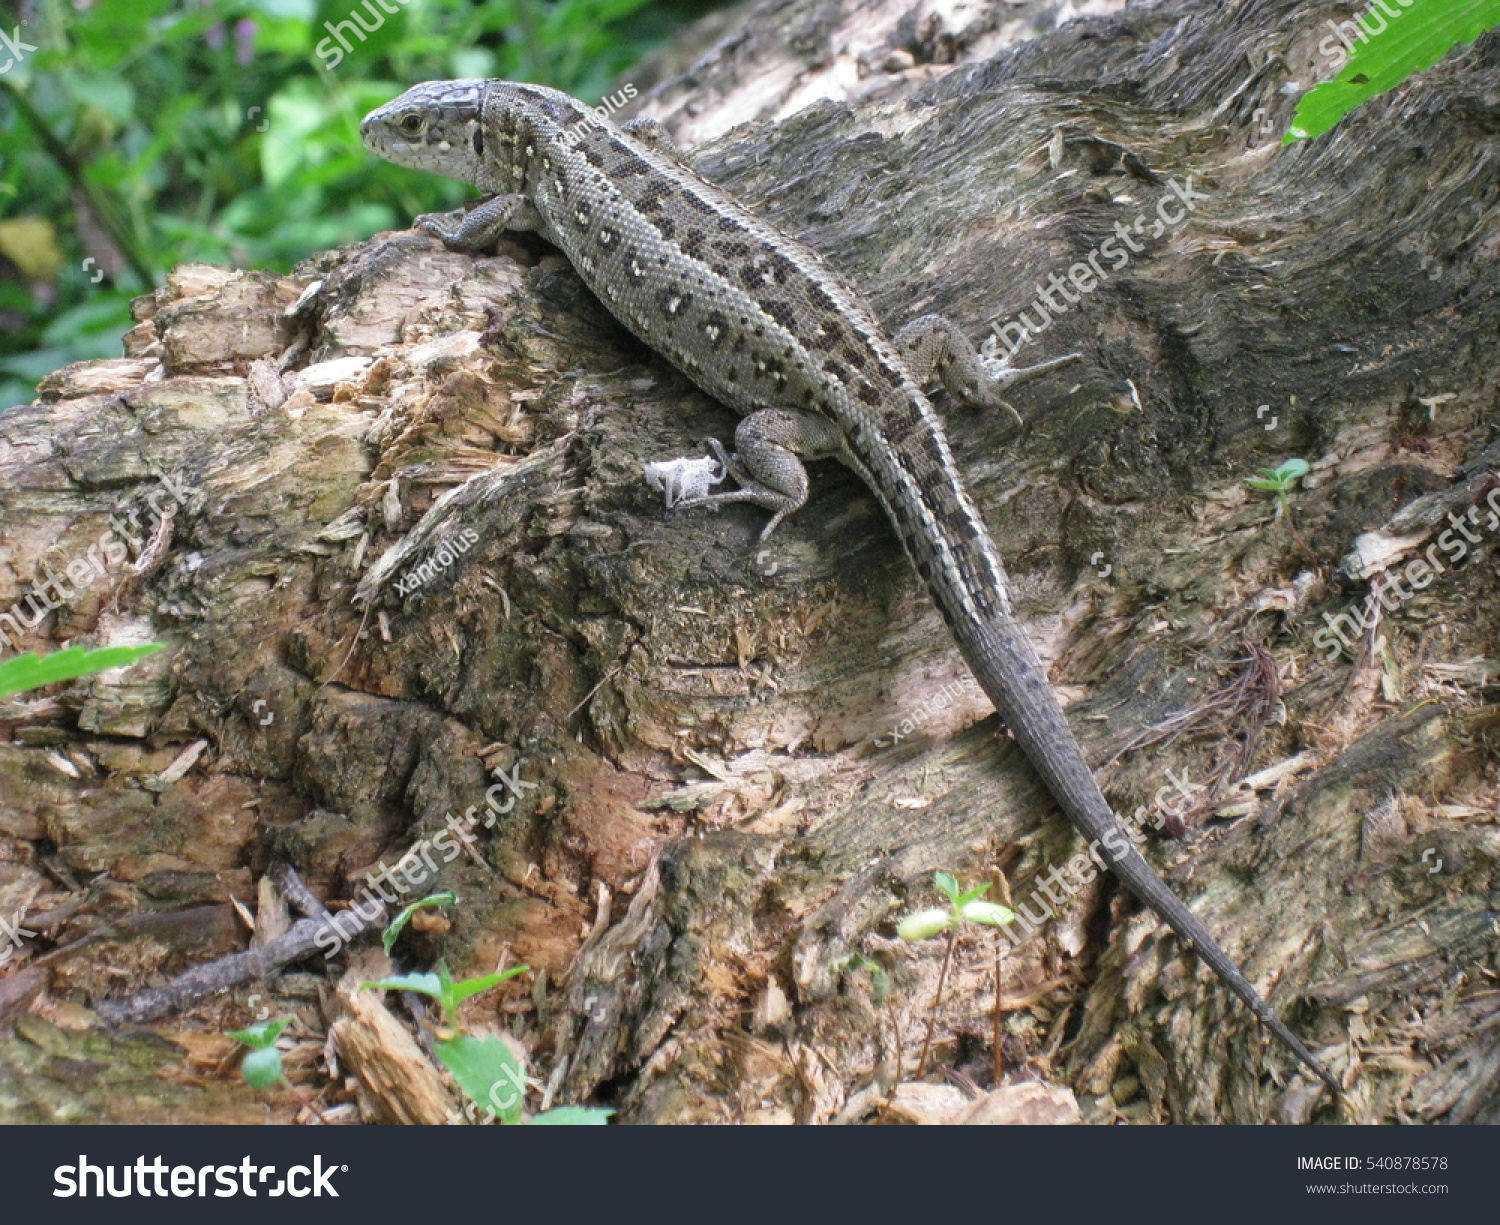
(380, 1052)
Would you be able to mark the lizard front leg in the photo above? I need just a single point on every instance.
(479, 228)
(933, 346)
(770, 447)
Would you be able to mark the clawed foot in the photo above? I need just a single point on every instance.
(1002, 374)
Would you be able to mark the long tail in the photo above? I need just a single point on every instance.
(1008, 669)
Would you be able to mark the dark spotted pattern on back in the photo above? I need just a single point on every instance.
(629, 164)
(653, 198)
(818, 296)
(696, 275)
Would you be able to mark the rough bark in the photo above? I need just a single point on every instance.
(721, 818)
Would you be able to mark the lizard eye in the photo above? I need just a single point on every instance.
(412, 124)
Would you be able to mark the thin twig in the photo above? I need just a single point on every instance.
(937, 1002)
(300, 940)
(295, 890)
(999, 884)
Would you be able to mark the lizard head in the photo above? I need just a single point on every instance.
(482, 132)
(436, 126)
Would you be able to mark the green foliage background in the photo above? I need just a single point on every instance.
(140, 134)
(144, 133)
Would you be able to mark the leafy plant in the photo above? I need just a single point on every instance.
(924, 924)
(1422, 33)
(1279, 481)
(398, 924)
(482, 1067)
(33, 671)
(261, 1068)
(962, 908)
(137, 136)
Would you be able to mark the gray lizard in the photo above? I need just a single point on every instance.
(761, 323)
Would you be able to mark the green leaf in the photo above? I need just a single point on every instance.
(946, 884)
(1411, 42)
(427, 984)
(1294, 470)
(33, 671)
(262, 1035)
(1263, 486)
(398, 924)
(572, 1116)
(262, 1069)
(964, 899)
(473, 986)
(924, 924)
(488, 1073)
(992, 914)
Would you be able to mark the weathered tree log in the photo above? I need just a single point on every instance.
(747, 761)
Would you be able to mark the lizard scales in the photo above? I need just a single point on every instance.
(761, 323)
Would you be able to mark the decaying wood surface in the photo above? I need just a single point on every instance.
(748, 761)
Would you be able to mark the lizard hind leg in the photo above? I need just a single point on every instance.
(770, 447)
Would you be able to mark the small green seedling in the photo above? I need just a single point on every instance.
(33, 671)
(486, 1069)
(1280, 480)
(398, 924)
(962, 908)
(261, 1068)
